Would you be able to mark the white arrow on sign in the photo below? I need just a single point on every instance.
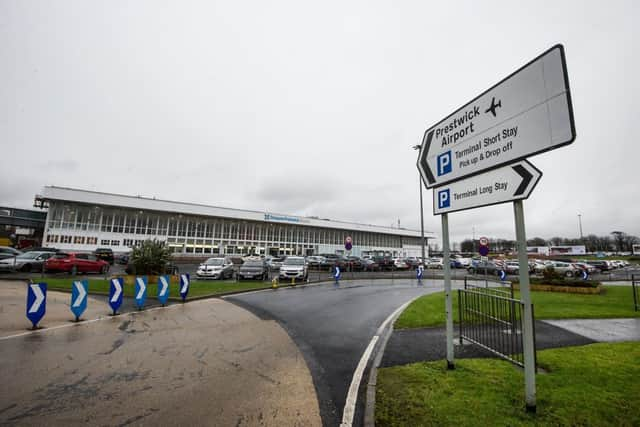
(185, 284)
(142, 287)
(501, 185)
(165, 286)
(81, 294)
(39, 298)
(116, 294)
(527, 113)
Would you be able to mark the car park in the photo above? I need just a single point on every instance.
(317, 262)
(384, 262)
(400, 264)
(354, 263)
(370, 265)
(26, 262)
(512, 267)
(274, 263)
(590, 269)
(216, 268)
(74, 263)
(253, 269)
(293, 267)
(564, 268)
(601, 265)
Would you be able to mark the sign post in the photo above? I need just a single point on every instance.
(79, 297)
(505, 184)
(447, 290)
(527, 113)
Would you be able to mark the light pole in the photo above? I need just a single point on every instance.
(417, 147)
(580, 225)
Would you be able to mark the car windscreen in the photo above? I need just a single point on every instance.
(214, 261)
(29, 255)
(294, 261)
(60, 255)
(253, 263)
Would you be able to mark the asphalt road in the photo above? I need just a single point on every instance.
(205, 363)
(333, 327)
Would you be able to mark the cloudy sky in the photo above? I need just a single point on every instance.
(308, 108)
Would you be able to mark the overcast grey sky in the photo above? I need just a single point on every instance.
(308, 108)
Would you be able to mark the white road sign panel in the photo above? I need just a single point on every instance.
(500, 185)
(527, 113)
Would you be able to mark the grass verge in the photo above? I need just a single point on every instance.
(613, 302)
(588, 385)
(197, 288)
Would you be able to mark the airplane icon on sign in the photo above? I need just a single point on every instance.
(493, 107)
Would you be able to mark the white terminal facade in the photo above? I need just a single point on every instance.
(83, 220)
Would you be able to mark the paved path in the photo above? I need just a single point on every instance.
(602, 330)
(204, 363)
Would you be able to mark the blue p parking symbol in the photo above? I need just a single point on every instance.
(444, 163)
(444, 200)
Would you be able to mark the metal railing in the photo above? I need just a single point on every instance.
(635, 284)
(493, 320)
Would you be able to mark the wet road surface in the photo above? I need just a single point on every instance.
(333, 327)
(202, 363)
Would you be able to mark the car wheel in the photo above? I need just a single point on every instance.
(26, 268)
(569, 274)
(74, 270)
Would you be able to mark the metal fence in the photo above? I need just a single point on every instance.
(492, 319)
(635, 284)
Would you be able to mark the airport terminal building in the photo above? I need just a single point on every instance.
(85, 220)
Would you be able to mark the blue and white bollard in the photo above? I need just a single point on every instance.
(336, 276)
(419, 273)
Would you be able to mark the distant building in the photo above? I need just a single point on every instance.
(85, 220)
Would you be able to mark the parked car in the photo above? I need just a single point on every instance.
(512, 267)
(105, 254)
(385, 262)
(434, 263)
(274, 263)
(8, 252)
(28, 261)
(370, 265)
(317, 262)
(354, 263)
(412, 262)
(216, 268)
(336, 260)
(485, 266)
(564, 268)
(400, 264)
(74, 263)
(253, 269)
(293, 267)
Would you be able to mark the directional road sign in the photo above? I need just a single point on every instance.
(163, 289)
(79, 297)
(36, 302)
(504, 184)
(527, 113)
(483, 250)
(115, 294)
(141, 291)
(184, 286)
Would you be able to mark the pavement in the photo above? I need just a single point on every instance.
(206, 362)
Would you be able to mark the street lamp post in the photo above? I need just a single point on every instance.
(417, 147)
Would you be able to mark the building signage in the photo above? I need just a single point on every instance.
(501, 185)
(527, 113)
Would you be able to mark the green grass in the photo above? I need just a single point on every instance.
(594, 385)
(197, 288)
(613, 302)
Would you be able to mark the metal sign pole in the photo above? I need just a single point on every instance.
(525, 297)
(447, 289)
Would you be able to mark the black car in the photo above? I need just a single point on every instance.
(105, 254)
(485, 267)
(253, 269)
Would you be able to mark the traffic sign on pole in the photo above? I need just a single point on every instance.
(163, 289)
(527, 113)
(505, 184)
(141, 291)
(484, 241)
(348, 243)
(115, 294)
(184, 286)
(79, 293)
(36, 302)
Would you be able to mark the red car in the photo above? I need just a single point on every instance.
(76, 263)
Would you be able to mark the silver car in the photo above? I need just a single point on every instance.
(26, 262)
(216, 268)
(293, 267)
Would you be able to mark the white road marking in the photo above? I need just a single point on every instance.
(350, 404)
